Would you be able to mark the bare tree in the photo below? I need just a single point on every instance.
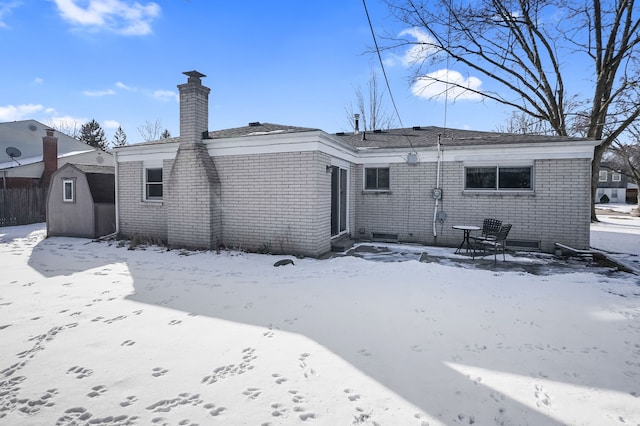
(525, 124)
(68, 127)
(371, 108)
(524, 47)
(151, 131)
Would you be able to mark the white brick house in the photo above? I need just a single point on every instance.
(293, 190)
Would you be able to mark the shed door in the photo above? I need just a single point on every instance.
(338, 200)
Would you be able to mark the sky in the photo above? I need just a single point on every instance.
(95, 333)
(286, 62)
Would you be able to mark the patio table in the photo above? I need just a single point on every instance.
(465, 240)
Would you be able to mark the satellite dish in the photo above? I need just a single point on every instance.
(13, 152)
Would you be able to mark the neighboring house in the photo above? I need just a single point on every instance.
(612, 185)
(81, 201)
(296, 190)
(30, 152)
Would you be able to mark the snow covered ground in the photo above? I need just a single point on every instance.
(618, 234)
(96, 334)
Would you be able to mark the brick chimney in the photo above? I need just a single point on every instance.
(49, 156)
(194, 108)
(194, 217)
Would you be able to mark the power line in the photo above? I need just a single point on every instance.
(384, 72)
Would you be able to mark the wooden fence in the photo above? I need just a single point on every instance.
(22, 206)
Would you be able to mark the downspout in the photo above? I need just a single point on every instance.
(115, 159)
(437, 199)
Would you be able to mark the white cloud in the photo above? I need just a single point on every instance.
(123, 86)
(38, 80)
(99, 92)
(446, 83)
(424, 48)
(5, 9)
(160, 95)
(111, 124)
(14, 113)
(118, 16)
(165, 95)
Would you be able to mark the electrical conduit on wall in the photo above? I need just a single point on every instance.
(437, 199)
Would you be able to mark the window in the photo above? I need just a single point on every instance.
(376, 178)
(498, 178)
(153, 184)
(616, 177)
(68, 191)
(602, 176)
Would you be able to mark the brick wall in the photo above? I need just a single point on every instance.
(276, 202)
(137, 217)
(558, 210)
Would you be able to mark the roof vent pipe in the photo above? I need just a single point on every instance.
(356, 125)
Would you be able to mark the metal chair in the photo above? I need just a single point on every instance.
(490, 228)
(498, 243)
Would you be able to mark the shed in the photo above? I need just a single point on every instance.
(81, 201)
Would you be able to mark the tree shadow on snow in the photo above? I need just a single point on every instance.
(404, 335)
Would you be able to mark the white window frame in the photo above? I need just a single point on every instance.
(497, 168)
(72, 184)
(376, 166)
(603, 176)
(145, 183)
(616, 177)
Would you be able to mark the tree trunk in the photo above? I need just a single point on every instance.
(595, 169)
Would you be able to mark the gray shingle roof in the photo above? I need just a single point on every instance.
(95, 169)
(256, 129)
(407, 138)
(428, 136)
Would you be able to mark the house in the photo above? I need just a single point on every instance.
(30, 152)
(297, 190)
(81, 201)
(614, 186)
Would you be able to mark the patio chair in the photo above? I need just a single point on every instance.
(490, 228)
(498, 243)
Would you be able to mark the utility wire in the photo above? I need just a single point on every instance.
(384, 73)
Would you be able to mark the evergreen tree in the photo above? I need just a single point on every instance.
(92, 134)
(119, 138)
